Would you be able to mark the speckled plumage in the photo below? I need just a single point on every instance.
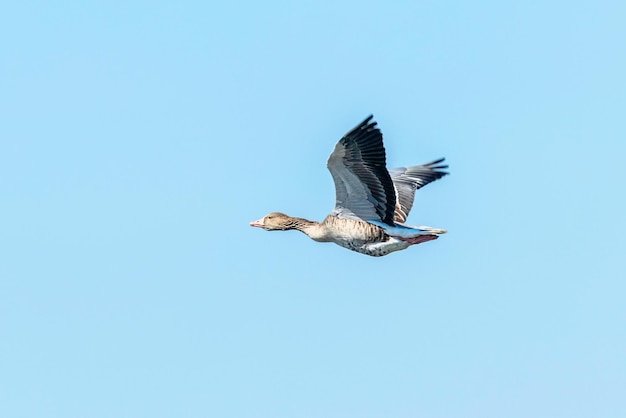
(371, 202)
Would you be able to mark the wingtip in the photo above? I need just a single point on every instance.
(366, 121)
(368, 125)
(437, 166)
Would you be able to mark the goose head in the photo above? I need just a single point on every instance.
(274, 221)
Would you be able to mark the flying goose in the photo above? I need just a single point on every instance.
(372, 203)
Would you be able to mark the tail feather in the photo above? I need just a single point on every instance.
(430, 230)
(406, 231)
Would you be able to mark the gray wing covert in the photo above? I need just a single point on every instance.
(364, 189)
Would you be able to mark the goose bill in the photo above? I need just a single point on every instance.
(257, 223)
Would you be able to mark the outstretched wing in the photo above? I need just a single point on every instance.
(364, 189)
(409, 179)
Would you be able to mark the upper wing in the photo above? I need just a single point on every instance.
(363, 186)
(408, 179)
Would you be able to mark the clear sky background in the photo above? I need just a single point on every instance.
(139, 139)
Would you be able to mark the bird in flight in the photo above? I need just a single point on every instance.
(372, 203)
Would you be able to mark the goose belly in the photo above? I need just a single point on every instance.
(360, 236)
(374, 249)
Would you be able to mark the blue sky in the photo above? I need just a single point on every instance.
(140, 138)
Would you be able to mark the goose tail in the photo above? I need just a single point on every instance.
(430, 230)
(400, 230)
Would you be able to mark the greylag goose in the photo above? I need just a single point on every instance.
(372, 203)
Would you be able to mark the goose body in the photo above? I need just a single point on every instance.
(371, 204)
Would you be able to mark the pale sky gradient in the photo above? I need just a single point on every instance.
(140, 138)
